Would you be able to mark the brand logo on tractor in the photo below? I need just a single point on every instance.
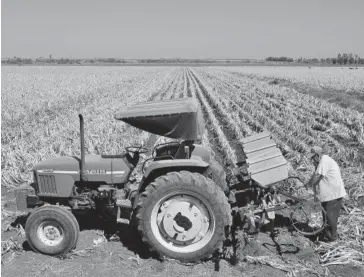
(46, 170)
(87, 171)
(95, 171)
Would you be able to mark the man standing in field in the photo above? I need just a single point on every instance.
(329, 188)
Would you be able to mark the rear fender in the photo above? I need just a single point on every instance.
(159, 168)
(172, 165)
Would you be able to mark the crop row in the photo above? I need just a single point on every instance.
(214, 136)
(291, 124)
(342, 79)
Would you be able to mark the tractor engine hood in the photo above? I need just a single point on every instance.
(70, 165)
(103, 169)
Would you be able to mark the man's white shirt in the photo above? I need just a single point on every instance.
(331, 185)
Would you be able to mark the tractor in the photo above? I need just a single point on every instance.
(183, 204)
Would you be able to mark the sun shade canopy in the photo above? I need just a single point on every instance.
(178, 118)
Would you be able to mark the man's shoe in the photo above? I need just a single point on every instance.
(329, 241)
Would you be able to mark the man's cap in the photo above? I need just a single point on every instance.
(316, 150)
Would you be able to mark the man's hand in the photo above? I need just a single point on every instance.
(309, 190)
(315, 180)
(301, 190)
(315, 198)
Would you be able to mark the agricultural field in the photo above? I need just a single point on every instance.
(40, 107)
(343, 86)
(339, 78)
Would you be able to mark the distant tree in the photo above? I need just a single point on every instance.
(339, 59)
(356, 58)
(64, 61)
(279, 59)
(345, 58)
(350, 58)
(334, 60)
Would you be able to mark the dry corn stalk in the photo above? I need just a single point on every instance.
(291, 268)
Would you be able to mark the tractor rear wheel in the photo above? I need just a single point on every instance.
(217, 173)
(183, 215)
(52, 230)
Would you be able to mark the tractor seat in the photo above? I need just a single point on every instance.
(183, 153)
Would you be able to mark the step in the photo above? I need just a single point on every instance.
(123, 220)
(124, 203)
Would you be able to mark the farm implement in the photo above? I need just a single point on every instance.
(183, 204)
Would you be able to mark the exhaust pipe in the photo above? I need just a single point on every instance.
(82, 137)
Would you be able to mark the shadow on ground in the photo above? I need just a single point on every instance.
(261, 244)
(127, 234)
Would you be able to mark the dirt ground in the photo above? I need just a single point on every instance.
(105, 250)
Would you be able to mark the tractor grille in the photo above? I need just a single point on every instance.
(47, 184)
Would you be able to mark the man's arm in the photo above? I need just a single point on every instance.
(315, 180)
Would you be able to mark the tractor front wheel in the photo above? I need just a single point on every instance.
(183, 215)
(52, 230)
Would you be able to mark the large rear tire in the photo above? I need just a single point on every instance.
(183, 215)
(52, 230)
(217, 173)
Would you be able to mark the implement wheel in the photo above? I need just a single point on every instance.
(308, 218)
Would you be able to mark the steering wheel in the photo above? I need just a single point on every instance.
(136, 149)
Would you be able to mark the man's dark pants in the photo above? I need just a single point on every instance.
(331, 214)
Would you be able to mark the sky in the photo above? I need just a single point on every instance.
(181, 29)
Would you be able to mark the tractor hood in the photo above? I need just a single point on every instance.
(94, 165)
(65, 163)
(178, 118)
(104, 169)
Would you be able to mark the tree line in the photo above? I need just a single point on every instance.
(279, 59)
(17, 60)
(50, 60)
(342, 59)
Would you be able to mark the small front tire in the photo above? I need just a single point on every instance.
(52, 230)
